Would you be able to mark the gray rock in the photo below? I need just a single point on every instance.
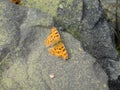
(32, 66)
(28, 65)
(11, 19)
(95, 34)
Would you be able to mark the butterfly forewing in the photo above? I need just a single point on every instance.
(53, 37)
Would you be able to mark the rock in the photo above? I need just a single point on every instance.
(95, 34)
(32, 65)
(28, 64)
(111, 8)
(10, 22)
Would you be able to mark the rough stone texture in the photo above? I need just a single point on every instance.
(95, 34)
(100, 40)
(112, 15)
(25, 63)
(9, 27)
(110, 10)
(93, 31)
(32, 65)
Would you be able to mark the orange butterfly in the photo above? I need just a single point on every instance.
(16, 1)
(54, 41)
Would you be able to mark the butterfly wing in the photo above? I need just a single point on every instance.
(16, 1)
(59, 50)
(53, 37)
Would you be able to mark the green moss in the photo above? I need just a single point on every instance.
(70, 1)
(7, 82)
(74, 31)
(79, 8)
(49, 6)
(118, 48)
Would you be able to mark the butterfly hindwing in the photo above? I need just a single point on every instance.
(59, 50)
(53, 37)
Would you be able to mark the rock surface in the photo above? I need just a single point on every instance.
(30, 66)
(111, 8)
(94, 32)
(25, 63)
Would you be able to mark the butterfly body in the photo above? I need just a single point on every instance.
(56, 45)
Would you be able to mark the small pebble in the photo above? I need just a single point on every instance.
(81, 49)
(52, 76)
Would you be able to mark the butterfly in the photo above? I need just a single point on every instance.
(16, 1)
(56, 45)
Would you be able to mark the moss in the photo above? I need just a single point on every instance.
(118, 48)
(49, 6)
(7, 82)
(70, 1)
(74, 31)
(79, 8)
